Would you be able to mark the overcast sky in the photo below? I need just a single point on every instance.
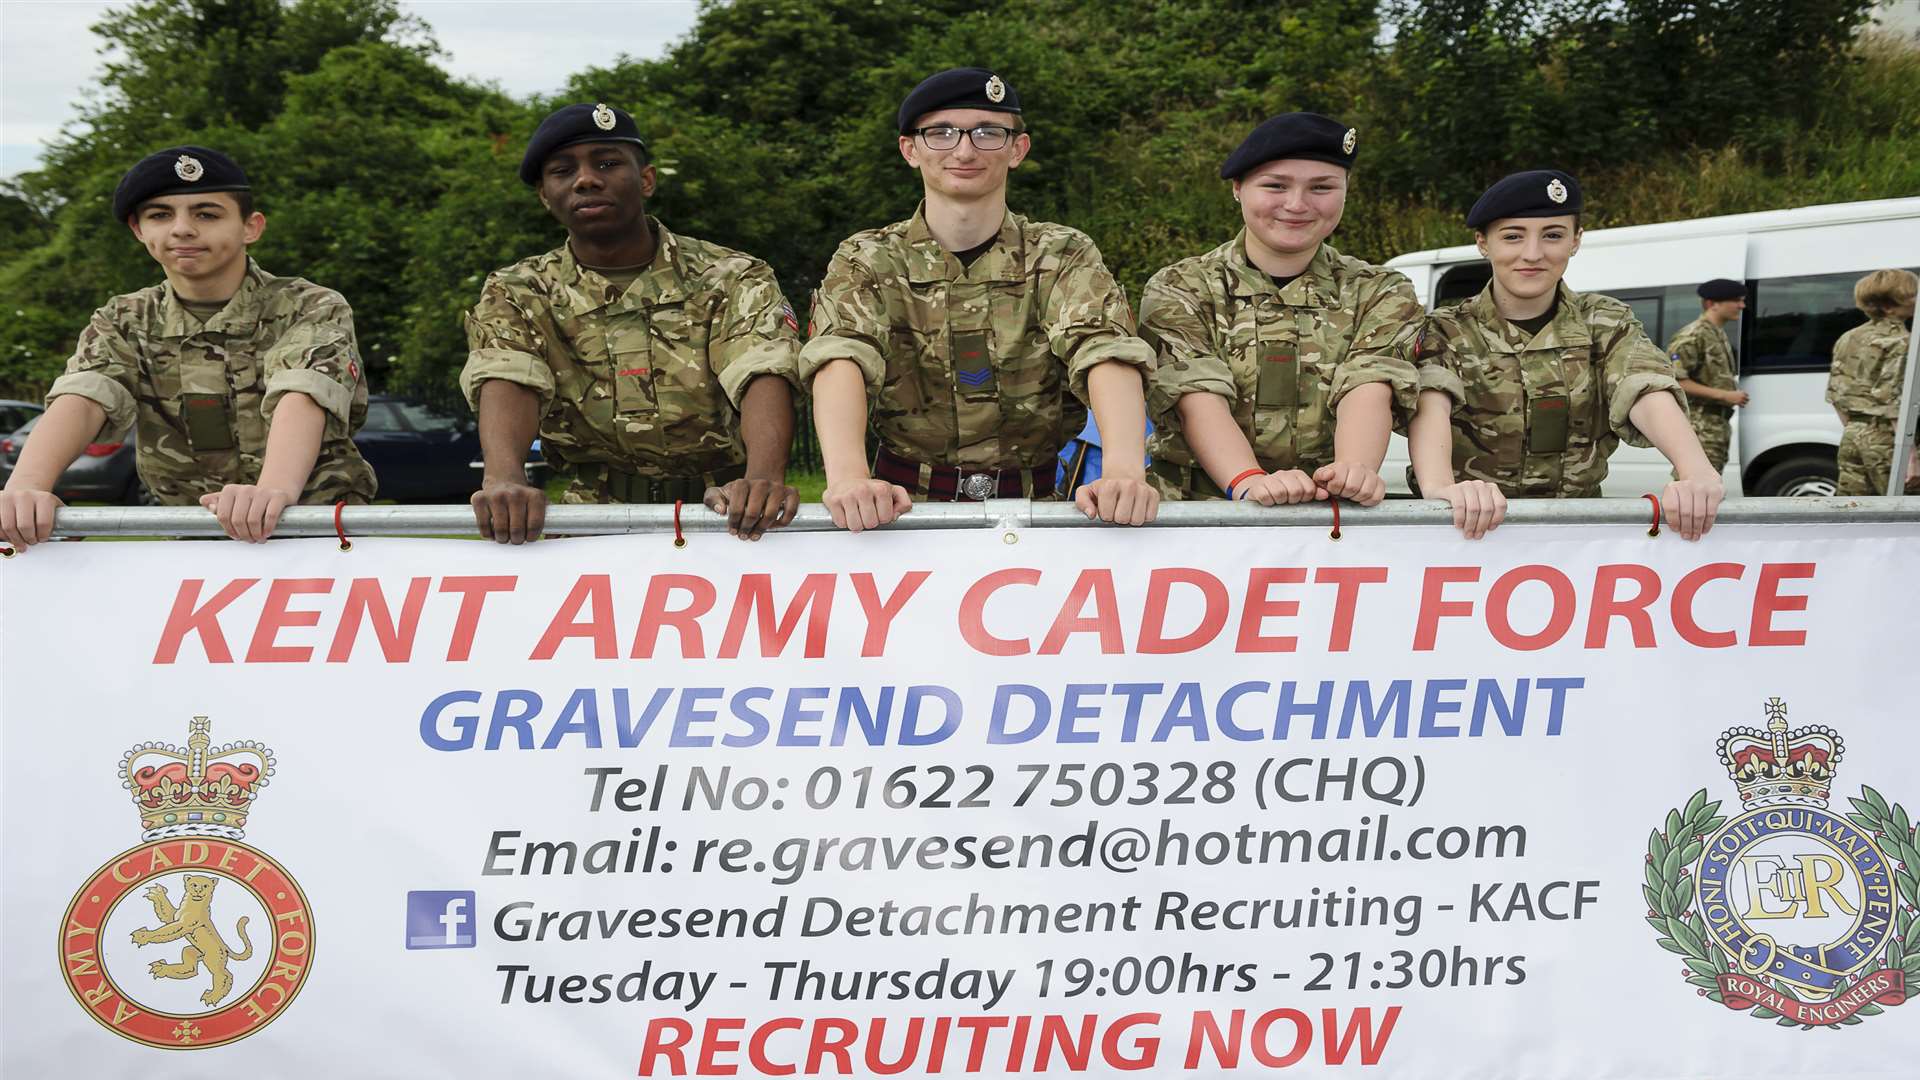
(47, 57)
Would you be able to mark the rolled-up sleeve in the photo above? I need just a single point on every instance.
(1388, 320)
(849, 322)
(1087, 320)
(1634, 368)
(1433, 363)
(1175, 325)
(754, 334)
(318, 357)
(102, 370)
(504, 342)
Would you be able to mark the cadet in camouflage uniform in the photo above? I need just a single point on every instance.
(1868, 376)
(1537, 384)
(1703, 357)
(975, 333)
(1264, 340)
(636, 353)
(242, 389)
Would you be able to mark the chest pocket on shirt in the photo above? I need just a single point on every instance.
(1549, 401)
(206, 400)
(631, 358)
(1276, 359)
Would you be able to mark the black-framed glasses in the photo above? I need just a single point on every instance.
(946, 136)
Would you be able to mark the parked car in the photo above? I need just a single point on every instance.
(15, 414)
(104, 471)
(420, 452)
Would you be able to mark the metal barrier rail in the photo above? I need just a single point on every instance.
(187, 521)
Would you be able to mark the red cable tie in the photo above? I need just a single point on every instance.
(1334, 501)
(679, 538)
(1655, 500)
(339, 528)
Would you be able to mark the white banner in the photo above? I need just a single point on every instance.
(1566, 803)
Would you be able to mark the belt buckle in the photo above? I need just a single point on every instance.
(979, 487)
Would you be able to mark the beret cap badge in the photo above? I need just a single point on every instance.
(188, 168)
(1352, 139)
(1556, 190)
(996, 90)
(603, 117)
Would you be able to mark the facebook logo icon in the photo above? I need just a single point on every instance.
(440, 920)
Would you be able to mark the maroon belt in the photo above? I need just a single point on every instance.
(948, 484)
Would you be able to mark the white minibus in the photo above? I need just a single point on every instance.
(1799, 267)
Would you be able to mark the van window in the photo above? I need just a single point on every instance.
(1462, 282)
(1794, 321)
(1646, 307)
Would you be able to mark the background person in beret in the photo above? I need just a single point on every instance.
(243, 389)
(1281, 364)
(1703, 358)
(1531, 385)
(654, 367)
(973, 333)
(1868, 376)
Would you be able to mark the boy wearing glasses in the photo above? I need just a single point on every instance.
(974, 334)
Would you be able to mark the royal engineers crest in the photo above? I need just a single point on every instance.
(1788, 911)
(189, 168)
(603, 118)
(1556, 190)
(996, 90)
(192, 939)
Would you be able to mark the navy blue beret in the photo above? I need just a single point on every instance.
(577, 124)
(1721, 289)
(1534, 193)
(1294, 135)
(958, 88)
(177, 170)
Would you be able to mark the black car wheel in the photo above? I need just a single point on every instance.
(1803, 474)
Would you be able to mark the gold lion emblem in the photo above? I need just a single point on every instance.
(193, 920)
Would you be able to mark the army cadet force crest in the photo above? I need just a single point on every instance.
(192, 939)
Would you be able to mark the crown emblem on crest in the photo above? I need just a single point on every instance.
(603, 118)
(1556, 190)
(996, 90)
(1778, 767)
(198, 790)
(188, 168)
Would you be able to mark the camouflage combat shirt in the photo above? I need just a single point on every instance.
(1283, 358)
(975, 367)
(1538, 416)
(199, 397)
(1869, 369)
(647, 380)
(1702, 352)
